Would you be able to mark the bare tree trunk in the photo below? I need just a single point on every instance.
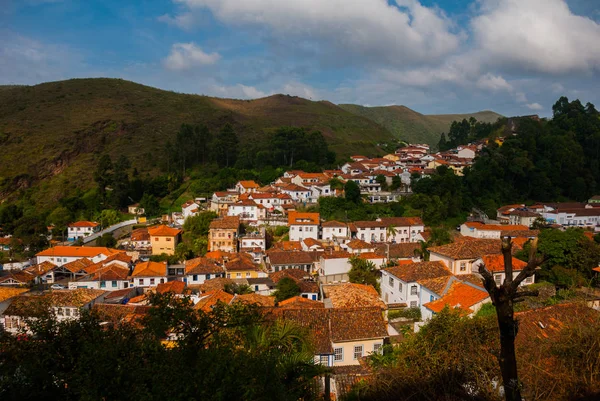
(504, 297)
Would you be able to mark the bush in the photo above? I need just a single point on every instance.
(406, 313)
(281, 230)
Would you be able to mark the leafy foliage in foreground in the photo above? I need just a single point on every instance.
(230, 353)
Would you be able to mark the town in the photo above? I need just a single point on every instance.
(355, 285)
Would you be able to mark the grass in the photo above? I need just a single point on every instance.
(411, 126)
(52, 134)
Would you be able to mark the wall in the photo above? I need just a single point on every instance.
(162, 245)
(348, 350)
(299, 232)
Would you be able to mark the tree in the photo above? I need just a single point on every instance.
(150, 205)
(363, 272)
(103, 175)
(239, 289)
(503, 297)
(352, 192)
(381, 180)
(120, 183)
(286, 288)
(108, 217)
(226, 146)
(107, 240)
(390, 231)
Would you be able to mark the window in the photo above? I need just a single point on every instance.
(391, 282)
(413, 304)
(155, 239)
(377, 348)
(141, 281)
(195, 277)
(498, 279)
(114, 283)
(151, 281)
(413, 290)
(238, 275)
(103, 284)
(358, 351)
(247, 275)
(463, 266)
(67, 311)
(324, 360)
(59, 311)
(125, 284)
(431, 298)
(162, 280)
(169, 239)
(400, 286)
(338, 354)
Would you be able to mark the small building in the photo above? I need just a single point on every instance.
(198, 270)
(135, 209)
(81, 229)
(223, 234)
(140, 239)
(149, 274)
(283, 260)
(242, 266)
(303, 225)
(334, 230)
(60, 255)
(246, 186)
(461, 255)
(112, 277)
(489, 231)
(164, 239)
(334, 266)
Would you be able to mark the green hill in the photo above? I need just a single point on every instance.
(412, 126)
(52, 134)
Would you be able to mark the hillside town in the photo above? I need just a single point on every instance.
(414, 279)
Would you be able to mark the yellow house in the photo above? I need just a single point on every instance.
(242, 266)
(163, 239)
(392, 157)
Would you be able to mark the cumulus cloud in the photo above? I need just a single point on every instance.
(368, 31)
(185, 56)
(299, 89)
(535, 106)
(493, 83)
(537, 35)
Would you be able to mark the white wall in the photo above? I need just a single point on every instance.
(338, 232)
(299, 232)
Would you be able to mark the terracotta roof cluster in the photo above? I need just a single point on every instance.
(289, 258)
(399, 251)
(40, 269)
(78, 251)
(150, 269)
(163, 231)
(33, 305)
(469, 248)
(202, 266)
(350, 295)
(411, 273)
(78, 265)
(461, 296)
(305, 219)
(359, 244)
(287, 246)
(257, 299)
(140, 235)
(225, 223)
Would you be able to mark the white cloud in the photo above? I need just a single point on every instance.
(184, 21)
(368, 31)
(493, 83)
(520, 97)
(535, 106)
(185, 56)
(536, 35)
(238, 91)
(299, 89)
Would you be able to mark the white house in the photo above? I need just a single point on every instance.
(303, 225)
(246, 186)
(334, 230)
(198, 270)
(390, 229)
(476, 229)
(402, 284)
(81, 229)
(334, 267)
(108, 278)
(461, 295)
(189, 208)
(247, 210)
(297, 192)
(149, 274)
(466, 152)
(253, 240)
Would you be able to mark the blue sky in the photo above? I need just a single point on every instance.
(512, 56)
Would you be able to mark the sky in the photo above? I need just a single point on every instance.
(515, 57)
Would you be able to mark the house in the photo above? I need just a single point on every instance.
(270, 201)
(189, 208)
(309, 288)
(311, 244)
(390, 229)
(70, 271)
(81, 229)
(334, 230)
(334, 266)
(243, 187)
(111, 277)
(241, 265)
(351, 295)
(340, 337)
(307, 179)
(223, 234)
(149, 274)
(140, 239)
(17, 278)
(402, 284)
(461, 255)
(247, 210)
(220, 201)
(476, 229)
(464, 296)
(357, 247)
(136, 209)
(59, 255)
(296, 192)
(6, 243)
(262, 285)
(408, 251)
(252, 240)
(64, 304)
(495, 265)
(164, 239)
(41, 272)
(198, 270)
(282, 260)
(523, 217)
(303, 225)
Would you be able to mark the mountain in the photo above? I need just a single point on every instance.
(52, 134)
(411, 126)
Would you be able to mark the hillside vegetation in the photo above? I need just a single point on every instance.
(53, 134)
(411, 126)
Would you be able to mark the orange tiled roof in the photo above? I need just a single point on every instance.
(349, 295)
(84, 224)
(287, 246)
(40, 269)
(303, 218)
(78, 251)
(110, 272)
(249, 184)
(312, 242)
(336, 255)
(413, 272)
(7, 293)
(202, 266)
(215, 284)
(299, 302)
(163, 231)
(359, 244)
(469, 248)
(175, 287)
(212, 298)
(226, 223)
(78, 265)
(333, 223)
(150, 269)
(495, 227)
(261, 300)
(371, 255)
(141, 234)
(460, 295)
(495, 263)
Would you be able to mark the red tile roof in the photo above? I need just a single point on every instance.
(349, 295)
(299, 302)
(469, 248)
(226, 223)
(84, 224)
(212, 298)
(202, 266)
(249, 184)
(163, 231)
(150, 269)
(261, 300)
(460, 296)
(495, 263)
(78, 251)
(176, 287)
(303, 218)
(413, 272)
